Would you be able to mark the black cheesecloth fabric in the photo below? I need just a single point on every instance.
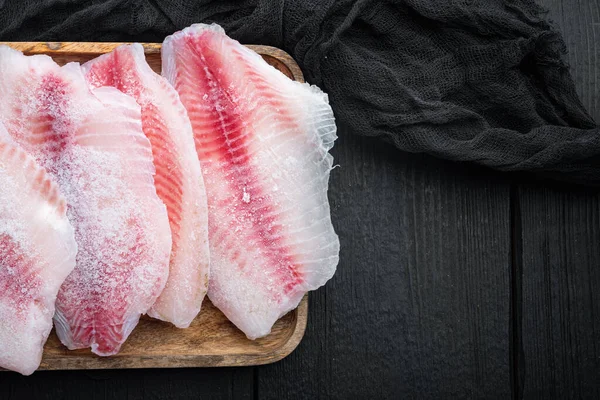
(483, 81)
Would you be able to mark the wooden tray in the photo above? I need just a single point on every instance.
(211, 340)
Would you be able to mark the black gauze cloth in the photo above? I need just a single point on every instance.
(468, 80)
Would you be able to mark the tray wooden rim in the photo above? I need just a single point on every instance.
(93, 48)
(169, 361)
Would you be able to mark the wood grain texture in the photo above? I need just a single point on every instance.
(560, 236)
(64, 52)
(377, 331)
(211, 340)
(419, 306)
(233, 383)
(579, 22)
(560, 297)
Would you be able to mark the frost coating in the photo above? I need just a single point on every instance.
(37, 252)
(263, 143)
(93, 144)
(178, 178)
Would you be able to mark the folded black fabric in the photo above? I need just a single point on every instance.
(469, 80)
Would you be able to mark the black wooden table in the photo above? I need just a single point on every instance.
(454, 282)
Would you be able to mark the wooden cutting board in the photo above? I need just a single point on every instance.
(211, 340)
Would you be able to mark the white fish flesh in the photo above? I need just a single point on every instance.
(263, 143)
(37, 252)
(92, 143)
(178, 179)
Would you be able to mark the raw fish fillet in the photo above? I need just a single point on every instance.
(92, 142)
(37, 252)
(178, 178)
(263, 143)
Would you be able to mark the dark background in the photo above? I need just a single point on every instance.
(454, 281)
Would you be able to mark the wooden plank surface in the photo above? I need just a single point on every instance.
(161, 384)
(560, 235)
(557, 269)
(211, 340)
(560, 296)
(420, 304)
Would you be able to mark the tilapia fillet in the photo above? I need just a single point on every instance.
(92, 143)
(37, 252)
(263, 143)
(178, 179)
